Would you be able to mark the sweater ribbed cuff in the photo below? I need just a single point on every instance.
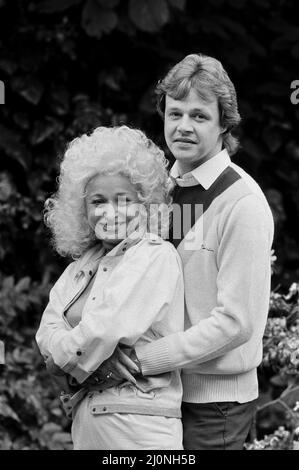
(154, 360)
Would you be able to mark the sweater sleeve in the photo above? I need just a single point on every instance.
(243, 280)
(137, 294)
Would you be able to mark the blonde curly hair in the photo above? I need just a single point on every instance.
(108, 151)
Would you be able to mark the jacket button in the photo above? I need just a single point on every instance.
(94, 410)
(79, 353)
(104, 269)
(90, 273)
(104, 409)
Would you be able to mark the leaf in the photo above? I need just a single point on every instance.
(108, 3)
(179, 4)
(29, 88)
(7, 412)
(51, 428)
(11, 145)
(8, 283)
(7, 188)
(8, 66)
(233, 27)
(272, 138)
(97, 20)
(23, 284)
(273, 89)
(44, 129)
(278, 381)
(22, 120)
(53, 6)
(149, 15)
(62, 437)
(2, 353)
(59, 101)
(295, 51)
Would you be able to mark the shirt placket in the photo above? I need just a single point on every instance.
(80, 275)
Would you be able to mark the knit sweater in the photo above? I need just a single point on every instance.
(227, 273)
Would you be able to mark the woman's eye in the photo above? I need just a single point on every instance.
(124, 200)
(199, 117)
(97, 202)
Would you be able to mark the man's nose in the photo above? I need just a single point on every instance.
(185, 124)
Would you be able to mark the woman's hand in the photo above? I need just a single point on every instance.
(52, 368)
(59, 376)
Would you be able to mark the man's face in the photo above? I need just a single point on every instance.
(192, 129)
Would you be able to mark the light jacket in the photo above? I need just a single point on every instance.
(137, 297)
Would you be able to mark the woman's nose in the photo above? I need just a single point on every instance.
(106, 210)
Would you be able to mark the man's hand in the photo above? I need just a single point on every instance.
(120, 366)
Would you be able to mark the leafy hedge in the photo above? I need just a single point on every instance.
(71, 65)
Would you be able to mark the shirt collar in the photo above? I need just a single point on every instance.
(204, 174)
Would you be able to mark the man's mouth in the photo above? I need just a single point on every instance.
(185, 141)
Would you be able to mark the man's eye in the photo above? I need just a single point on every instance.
(174, 115)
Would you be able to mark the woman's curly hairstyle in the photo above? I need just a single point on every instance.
(207, 76)
(107, 150)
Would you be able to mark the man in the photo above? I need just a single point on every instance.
(226, 269)
(227, 278)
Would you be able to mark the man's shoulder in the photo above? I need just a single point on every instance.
(244, 194)
(248, 181)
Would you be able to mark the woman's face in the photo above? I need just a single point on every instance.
(108, 198)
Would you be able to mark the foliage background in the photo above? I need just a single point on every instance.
(71, 65)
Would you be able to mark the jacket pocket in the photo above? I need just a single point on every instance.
(147, 384)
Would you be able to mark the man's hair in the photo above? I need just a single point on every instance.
(207, 77)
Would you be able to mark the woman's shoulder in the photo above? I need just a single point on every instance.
(154, 245)
(78, 263)
(152, 239)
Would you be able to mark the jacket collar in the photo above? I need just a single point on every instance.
(204, 174)
(90, 260)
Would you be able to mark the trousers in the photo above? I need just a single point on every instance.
(124, 431)
(217, 425)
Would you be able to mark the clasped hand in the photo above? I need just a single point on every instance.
(118, 367)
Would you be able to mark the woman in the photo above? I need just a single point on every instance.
(125, 287)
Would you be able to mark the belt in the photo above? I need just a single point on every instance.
(70, 400)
